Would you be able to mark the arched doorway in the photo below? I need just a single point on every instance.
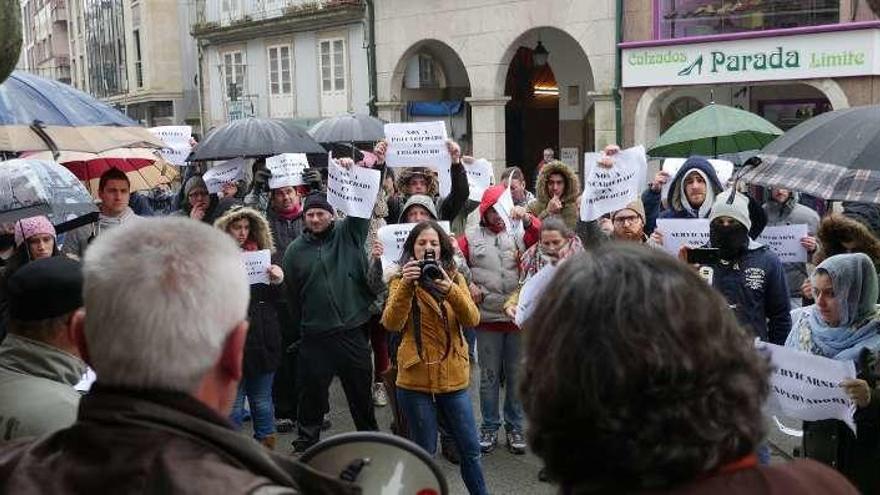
(550, 102)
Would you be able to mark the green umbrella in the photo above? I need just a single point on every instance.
(715, 130)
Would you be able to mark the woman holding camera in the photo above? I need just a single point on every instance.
(429, 302)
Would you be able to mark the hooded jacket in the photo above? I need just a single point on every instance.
(262, 352)
(447, 208)
(675, 209)
(570, 207)
(792, 213)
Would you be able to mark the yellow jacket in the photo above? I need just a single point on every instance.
(436, 371)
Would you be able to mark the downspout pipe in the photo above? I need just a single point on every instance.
(618, 73)
(371, 56)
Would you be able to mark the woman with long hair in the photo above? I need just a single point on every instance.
(429, 303)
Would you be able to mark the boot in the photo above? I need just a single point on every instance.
(269, 442)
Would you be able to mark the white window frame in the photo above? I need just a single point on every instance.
(275, 66)
(238, 72)
(330, 42)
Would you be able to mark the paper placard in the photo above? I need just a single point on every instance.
(504, 207)
(229, 171)
(785, 241)
(569, 156)
(394, 236)
(480, 176)
(679, 232)
(723, 169)
(417, 144)
(806, 387)
(531, 292)
(610, 189)
(176, 139)
(257, 263)
(354, 191)
(287, 169)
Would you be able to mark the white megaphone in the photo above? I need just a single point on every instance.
(379, 463)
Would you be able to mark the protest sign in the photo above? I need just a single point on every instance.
(417, 144)
(610, 189)
(394, 236)
(257, 263)
(723, 169)
(480, 176)
(353, 191)
(286, 169)
(176, 139)
(531, 292)
(679, 232)
(504, 207)
(785, 241)
(807, 387)
(229, 171)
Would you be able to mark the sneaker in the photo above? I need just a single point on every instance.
(327, 424)
(516, 443)
(284, 425)
(488, 441)
(449, 450)
(380, 397)
(300, 446)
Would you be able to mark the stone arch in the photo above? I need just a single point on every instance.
(454, 70)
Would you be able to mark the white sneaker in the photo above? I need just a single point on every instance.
(380, 397)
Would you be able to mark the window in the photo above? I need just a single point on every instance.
(332, 65)
(138, 61)
(428, 72)
(279, 70)
(234, 74)
(685, 18)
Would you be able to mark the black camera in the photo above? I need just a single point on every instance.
(430, 268)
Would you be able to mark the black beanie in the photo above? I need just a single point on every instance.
(45, 288)
(318, 200)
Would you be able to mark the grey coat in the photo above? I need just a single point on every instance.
(792, 213)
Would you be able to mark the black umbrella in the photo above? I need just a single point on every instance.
(254, 138)
(349, 128)
(834, 156)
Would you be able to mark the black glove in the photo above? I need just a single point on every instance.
(312, 178)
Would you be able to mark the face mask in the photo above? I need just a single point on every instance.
(731, 241)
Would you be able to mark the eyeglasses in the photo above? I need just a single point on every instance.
(197, 194)
(626, 220)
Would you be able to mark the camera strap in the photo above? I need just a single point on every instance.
(416, 313)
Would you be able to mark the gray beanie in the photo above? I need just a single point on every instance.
(418, 200)
(194, 182)
(738, 209)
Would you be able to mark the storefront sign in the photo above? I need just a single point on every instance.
(806, 56)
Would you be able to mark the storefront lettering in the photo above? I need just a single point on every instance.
(839, 59)
(776, 59)
(647, 58)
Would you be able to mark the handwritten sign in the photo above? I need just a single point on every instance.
(785, 241)
(531, 292)
(176, 139)
(806, 387)
(393, 238)
(610, 189)
(352, 191)
(229, 171)
(504, 207)
(723, 169)
(679, 232)
(287, 169)
(257, 263)
(480, 176)
(569, 156)
(417, 144)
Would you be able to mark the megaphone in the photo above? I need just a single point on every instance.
(379, 463)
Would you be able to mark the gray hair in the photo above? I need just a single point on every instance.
(161, 297)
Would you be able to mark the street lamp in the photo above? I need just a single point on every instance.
(540, 54)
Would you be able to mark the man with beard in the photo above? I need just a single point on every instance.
(749, 275)
(629, 223)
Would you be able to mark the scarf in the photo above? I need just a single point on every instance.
(105, 222)
(250, 245)
(534, 259)
(290, 213)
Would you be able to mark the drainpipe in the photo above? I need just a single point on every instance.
(371, 57)
(618, 72)
(200, 87)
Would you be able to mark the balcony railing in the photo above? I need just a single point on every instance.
(210, 14)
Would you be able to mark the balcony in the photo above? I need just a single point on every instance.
(58, 11)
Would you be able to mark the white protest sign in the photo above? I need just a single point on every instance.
(531, 292)
(352, 191)
(176, 139)
(394, 236)
(723, 169)
(256, 263)
(480, 176)
(417, 144)
(806, 387)
(229, 171)
(504, 207)
(286, 169)
(610, 189)
(679, 232)
(785, 241)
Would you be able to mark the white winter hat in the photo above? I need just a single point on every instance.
(736, 207)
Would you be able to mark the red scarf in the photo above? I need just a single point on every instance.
(290, 213)
(250, 245)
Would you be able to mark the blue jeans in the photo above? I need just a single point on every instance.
(470, 335)
(259, 395)
(499, 354)
(421, 411)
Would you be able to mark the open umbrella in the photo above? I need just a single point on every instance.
(715, 130)
(42, 114)
(39, 187)
(254, 138)
(833, 156)
(348, 128)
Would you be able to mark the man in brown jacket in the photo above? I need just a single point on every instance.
(165, 333)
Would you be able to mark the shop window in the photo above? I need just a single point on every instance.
(786, 114)
(686, 18)
(677, 110)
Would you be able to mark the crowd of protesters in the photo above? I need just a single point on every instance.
(615, 400)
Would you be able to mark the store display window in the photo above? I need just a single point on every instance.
(686, 18)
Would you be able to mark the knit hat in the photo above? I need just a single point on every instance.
(418, 200)
(193, 183)
(45, 288)
(636, 206)
(318, 200)
(736, 208)
(29, 227)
